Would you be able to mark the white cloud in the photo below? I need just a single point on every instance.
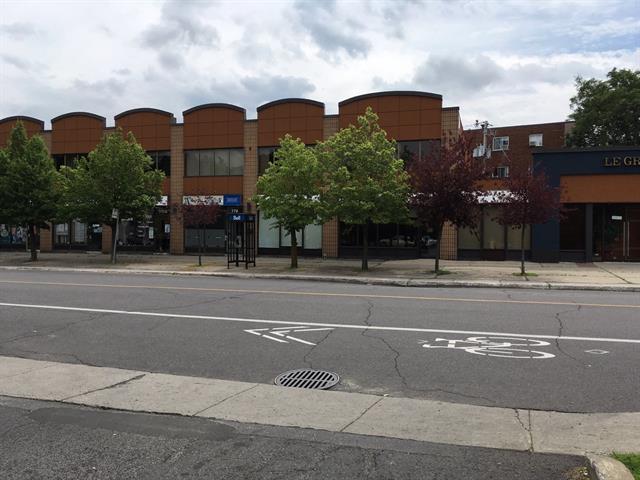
(509, 62)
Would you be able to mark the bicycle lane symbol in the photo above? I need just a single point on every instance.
(504, 347)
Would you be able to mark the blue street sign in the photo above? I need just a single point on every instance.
(232, 200)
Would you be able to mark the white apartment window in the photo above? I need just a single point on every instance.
(500, 172)
(501, 143)
(535, 140)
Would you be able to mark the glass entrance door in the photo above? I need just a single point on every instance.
(616, 232)
(632, 240)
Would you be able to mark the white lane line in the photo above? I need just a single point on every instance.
(317, 324)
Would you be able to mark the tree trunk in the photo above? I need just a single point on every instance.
(114, 241)
(200, 242)
(31, 234)
(294, 248)
(522, 272)
(365, 246)
(439, 238)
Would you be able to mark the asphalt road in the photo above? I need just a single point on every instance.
(43, 441)
(378, 339)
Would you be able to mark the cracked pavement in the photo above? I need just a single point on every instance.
(368, 360)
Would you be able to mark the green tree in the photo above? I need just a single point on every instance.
(117, 177)
(606, 112)
(29, 184)
(365, 181)
(289, 190)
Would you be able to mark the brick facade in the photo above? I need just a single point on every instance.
(176, 242)
(330, 230)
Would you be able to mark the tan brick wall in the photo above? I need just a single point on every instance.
(449, 242)
(106, 239)
(451, 126)
(46, 137)
(176, 243)
(250, 177)
(46, 239)
(330, 234)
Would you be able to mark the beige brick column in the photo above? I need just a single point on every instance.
(106, 239)
(451, 129)
(250, 173)
(449, 242)
(176, 190)
(46, 238)
(330, 233)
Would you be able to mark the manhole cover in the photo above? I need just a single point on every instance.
(307, 378)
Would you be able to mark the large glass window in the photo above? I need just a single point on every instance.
(265, 156)
(219, 162)
(493, 232)
(12, 235)
(67, 159)
(514, 236)
(382, 235)
(572, 228)
(161, 161)
(407, 151)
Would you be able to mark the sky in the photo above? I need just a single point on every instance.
(508, 62)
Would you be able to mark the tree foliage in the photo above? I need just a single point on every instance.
(445, 186)
(528, 199)
(289, 190)
(117, 175)
(606, 112)
(364, 180)
(29, 184)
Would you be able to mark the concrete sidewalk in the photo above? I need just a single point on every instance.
(411, 419)
(416, 272)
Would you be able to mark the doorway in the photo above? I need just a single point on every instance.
(616, 232)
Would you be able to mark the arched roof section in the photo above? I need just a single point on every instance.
(404, 115)
(144, 110)
(299, 117)
(150, 126)
(214, 125)
(76, 132)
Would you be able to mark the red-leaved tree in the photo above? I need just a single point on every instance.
(445, 188)
(527, 199)
(199, 213)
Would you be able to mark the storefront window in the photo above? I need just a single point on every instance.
(161, 161)
(265, 156)
(272, 236)
(469, 238)
(12, 235)
(514, 238)
(493, 232)
(268, 232)
(572, 228)
(382, 235)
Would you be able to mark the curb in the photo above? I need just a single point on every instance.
(607, 468)
(380, 281)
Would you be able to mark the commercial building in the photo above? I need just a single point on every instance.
(218, 153)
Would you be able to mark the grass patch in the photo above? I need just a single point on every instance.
(527, 274)
(631, 461)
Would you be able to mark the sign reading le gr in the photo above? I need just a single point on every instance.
(621, 162)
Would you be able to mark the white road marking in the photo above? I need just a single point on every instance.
(495, 347)
(282, 333)
(317, 324)
(597, 351)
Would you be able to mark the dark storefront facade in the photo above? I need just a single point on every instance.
(601, 195)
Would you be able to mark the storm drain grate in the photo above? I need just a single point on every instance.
(307, 378)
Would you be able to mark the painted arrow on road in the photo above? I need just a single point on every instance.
(279, 334)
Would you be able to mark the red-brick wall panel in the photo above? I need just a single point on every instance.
(299, 117)
(404, 116)
(76, 132)
(152, 128)
(214, 126)
(32, 125)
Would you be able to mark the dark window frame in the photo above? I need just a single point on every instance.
(214, 150)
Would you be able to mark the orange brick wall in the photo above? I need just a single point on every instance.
(152, 128)
(76, 133)
(32, 125)
(214, 126)
(402, 116)
(250, 163)
(301, 118)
